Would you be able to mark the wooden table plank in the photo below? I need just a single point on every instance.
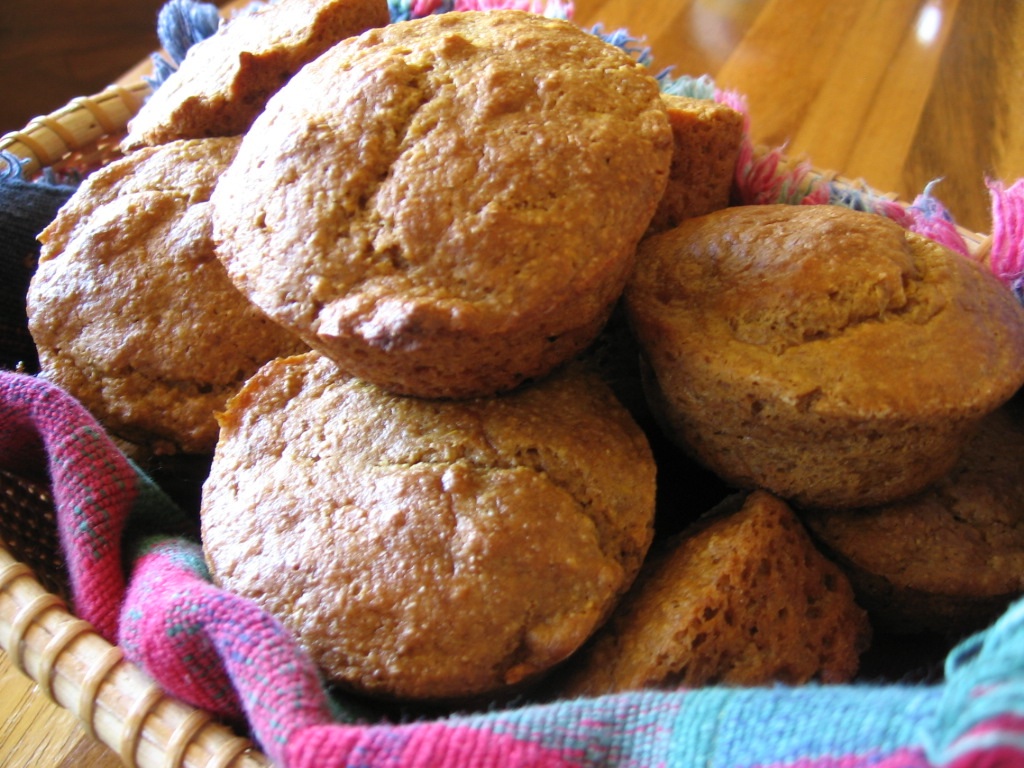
(36, 733)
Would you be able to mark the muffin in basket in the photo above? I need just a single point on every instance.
(951, 558)
(448, 206)
(130, 309)
(740, 598)
(421, 549)
(824, 354)
(707, 138)
(225, 80)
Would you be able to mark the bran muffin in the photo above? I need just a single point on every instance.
(824, 354)
(951, 558)
(130, 309)
(225, 80)
(428, 550)
(741, 598)
(707, 139)
(448, 206)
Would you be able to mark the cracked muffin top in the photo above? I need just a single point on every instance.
(130, 309)
(451, 205)
(823, 353)
(225, 80)
(846, 309)
(949, 559)
(427, 549)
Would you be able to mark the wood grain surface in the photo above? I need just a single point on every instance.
(896, 92)
(35, 733)
(55, 50)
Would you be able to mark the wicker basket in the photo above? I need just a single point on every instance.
(85, 127)
(117, 702)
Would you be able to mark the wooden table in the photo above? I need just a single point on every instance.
(34, 732)
(897, 92)
(53, 53)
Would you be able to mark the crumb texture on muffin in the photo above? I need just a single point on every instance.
(742, 598)
(706, 145)
(950, 558)
(428, 549)
(825, 354)
(224, 81)
(448, 206)
(130, 309)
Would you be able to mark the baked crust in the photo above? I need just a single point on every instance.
(824, 354)
(225, 80)
(448, 206)
(425, 549)
(130, 309)
(707, 137)
(740, 598)
(950, 558)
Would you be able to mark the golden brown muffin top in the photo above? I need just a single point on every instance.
(843, 311)
(463, 172)
(225, 80)
(130, 309)
(428, 549)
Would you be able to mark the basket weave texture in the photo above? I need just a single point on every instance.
(80, 671)
(86, 127)
(118, 703)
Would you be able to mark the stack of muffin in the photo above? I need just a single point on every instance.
(373, 270)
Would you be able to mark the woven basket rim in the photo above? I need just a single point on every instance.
(79, 670)
(115, 700)
(75, 127)
(117, 703)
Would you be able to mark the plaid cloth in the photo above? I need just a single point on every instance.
(222, 653)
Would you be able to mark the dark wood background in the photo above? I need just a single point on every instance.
(54, 50)
(895, 92)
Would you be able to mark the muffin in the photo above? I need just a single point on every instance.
(951, 558)
(686, 488)
(707, 139)
(130, 309)
(225, 80)
(741, 598)
(823, 354)
(448, 206)
(428, 550)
